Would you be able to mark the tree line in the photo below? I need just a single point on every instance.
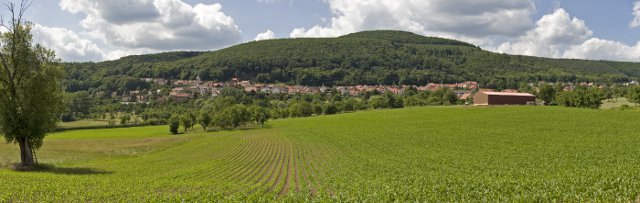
(238, 109)
(585, 97)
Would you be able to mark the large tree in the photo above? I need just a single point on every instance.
(31, 97)
(547, 94)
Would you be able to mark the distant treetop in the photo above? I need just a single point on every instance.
(405, 38)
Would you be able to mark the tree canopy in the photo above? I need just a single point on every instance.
(30, 91)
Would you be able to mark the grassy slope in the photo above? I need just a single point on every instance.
(439, 154)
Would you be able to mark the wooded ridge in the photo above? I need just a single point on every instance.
(369, 57)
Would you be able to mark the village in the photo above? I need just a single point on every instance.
(184, 90)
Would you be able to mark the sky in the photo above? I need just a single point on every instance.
(99, 30)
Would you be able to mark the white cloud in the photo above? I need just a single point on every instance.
(599, 49)
(265, 35)
(268, 1)
(553, 34)
(115, 28)
(67, 44)
(72, 46)
(558, 35)
(276, 1)
(161, 25)
(636, 14)
(462, 19)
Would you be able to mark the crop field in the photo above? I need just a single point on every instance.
(436, 154)
(83, 123)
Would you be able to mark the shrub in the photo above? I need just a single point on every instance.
(625, 107)
(174, 124)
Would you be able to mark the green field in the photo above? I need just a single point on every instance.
(616, 103)
(91, 123)
(83, 123)
(441, 154)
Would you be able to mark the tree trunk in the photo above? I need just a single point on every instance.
(26, 153)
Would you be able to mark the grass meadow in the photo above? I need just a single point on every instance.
(437, 154)
(83, 123)
(616, 103)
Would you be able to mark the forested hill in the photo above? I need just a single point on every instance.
(370, 57)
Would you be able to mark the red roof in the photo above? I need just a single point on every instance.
(183, 95)
(508, 94)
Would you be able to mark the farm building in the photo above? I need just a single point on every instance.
(503, 98)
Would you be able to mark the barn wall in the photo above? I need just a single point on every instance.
(509, 100)
(480, 99)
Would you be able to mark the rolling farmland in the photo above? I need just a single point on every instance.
(422, 154)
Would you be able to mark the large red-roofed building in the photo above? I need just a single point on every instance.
(503, 98)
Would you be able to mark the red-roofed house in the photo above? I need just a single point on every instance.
(181, 97)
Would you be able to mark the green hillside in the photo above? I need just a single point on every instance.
(437, 154)
(404, 38)
(370, 57)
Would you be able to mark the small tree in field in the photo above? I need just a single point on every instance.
(378, 102)
(31, 98)
(331, 108)
(186, 121)
(547, 94)
(240, 115)
(223, 119)
(259, 114)
(194, 119)
(204, 118)
(174, 124)
(634, 94)
(124, 119)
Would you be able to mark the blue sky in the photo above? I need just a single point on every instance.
(96, 30)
